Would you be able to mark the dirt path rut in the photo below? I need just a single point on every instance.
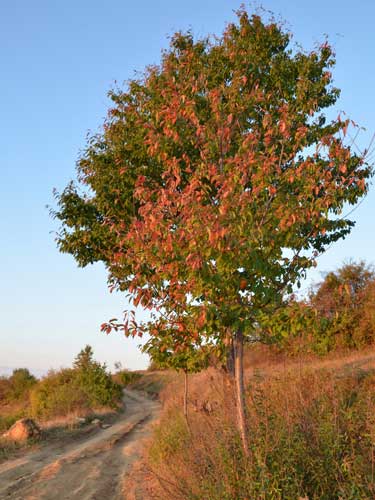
(93, 469)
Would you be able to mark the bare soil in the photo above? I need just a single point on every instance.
(95, 466)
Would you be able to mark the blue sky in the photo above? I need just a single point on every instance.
(58, 60)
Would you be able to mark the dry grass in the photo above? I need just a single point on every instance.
(152, 383)
(271, 360)
(71, 420)
(312, 432)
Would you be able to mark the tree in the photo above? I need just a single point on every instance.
(342, 300)
(166, 351)
(290, 327)
(342, 288)
(339, 313)
(214, 185)
(21, 381)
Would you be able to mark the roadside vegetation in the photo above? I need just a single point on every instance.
(311, 432)
(14, 396)
(126, 377)
(67, 393)
(310, 410)
(311, 435)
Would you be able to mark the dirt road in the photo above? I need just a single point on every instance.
(94, 468)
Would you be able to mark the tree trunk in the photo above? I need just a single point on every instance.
(229, 354)
(228, 375)
(186, 394)
(240, 390)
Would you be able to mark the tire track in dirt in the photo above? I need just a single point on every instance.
(93, 469)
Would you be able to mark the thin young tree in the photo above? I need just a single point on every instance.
(168, 351)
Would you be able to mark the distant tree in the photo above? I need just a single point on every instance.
(118, 366)
(21, 381)
(339, 313)
(214, 185)
(85, 359)
(342, 289)
(341, 301)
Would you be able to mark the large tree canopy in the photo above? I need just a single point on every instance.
(216, 181)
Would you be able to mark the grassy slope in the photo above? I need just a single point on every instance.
(312, 432)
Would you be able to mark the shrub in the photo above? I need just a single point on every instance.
(339, 314)
(341, 300)
(365, 332)
(126, 377)
(4, 389)
(58, 394)
(95, 381)
(154, 366)
(85, 387)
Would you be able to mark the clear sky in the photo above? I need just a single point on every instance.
(58, 60)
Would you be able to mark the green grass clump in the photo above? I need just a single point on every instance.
(6, 421)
